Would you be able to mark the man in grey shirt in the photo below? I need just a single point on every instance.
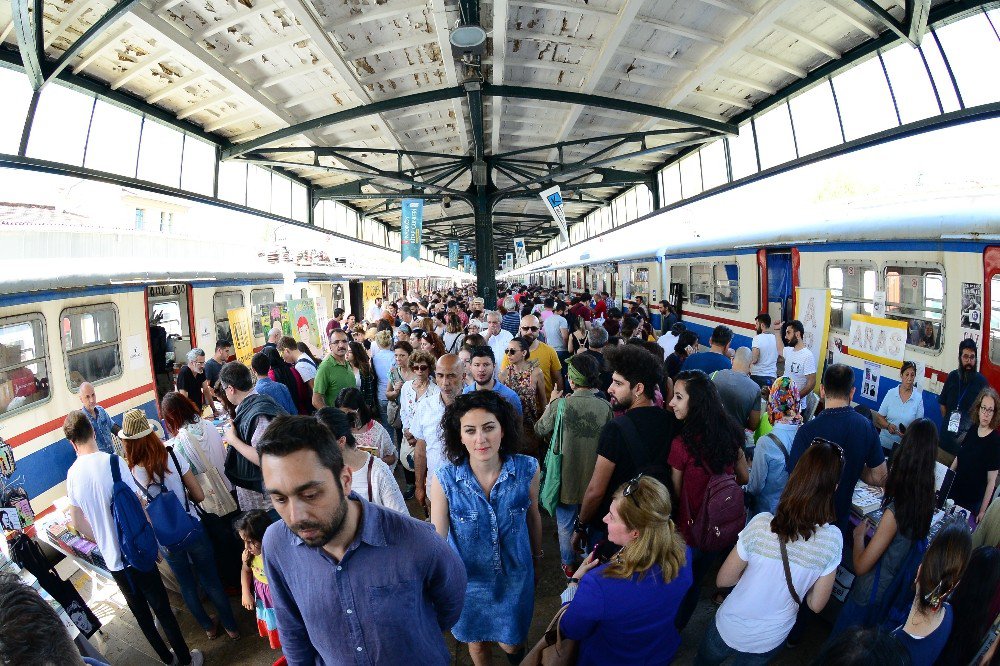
(740, 395)
(556, 328)
(352, 582)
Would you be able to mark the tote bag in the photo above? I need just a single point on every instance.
(553, 649)
(217, 498)
(551, 484)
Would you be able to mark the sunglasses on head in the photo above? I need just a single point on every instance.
(836, 447)
(632, 486)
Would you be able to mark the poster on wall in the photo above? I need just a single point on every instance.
(242, 331)
(370, 290)
(972, 305)
(411, 228)
(322, 317)
(877, 339)
(878, 305)
(869, 385)
(274, 314)
(812, 308)
(302, 313)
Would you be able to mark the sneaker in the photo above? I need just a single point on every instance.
(568, 570)
(197, 658)
(411, 490)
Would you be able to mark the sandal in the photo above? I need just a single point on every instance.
(213, 633)
(233, 635)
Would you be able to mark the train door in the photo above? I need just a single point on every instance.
(778, 275)
(171, 305)
(990, 356)
(356, 298)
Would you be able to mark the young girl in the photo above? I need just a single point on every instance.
(928, 627)
(256, 592)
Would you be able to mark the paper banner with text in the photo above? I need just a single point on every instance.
(812, 308)
(877, 339)
(241, 329)
(553, 201)
(322, 317)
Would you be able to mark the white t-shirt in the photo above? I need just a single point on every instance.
(173, 482)
(426, 425)
(385, 490)
(305, 368)
(767, 366)
(552, 325)
(203, 434)
(668, 341)
(88, 487)
(799, 365)
(760, 612)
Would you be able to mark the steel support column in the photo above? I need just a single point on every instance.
(486, 255)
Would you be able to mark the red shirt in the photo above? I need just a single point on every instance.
(600, 308)
(694, 481)
(582, 311)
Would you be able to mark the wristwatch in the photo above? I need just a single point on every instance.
(573, 581)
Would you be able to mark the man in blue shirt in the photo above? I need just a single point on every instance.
(482, 364)
(717, 358)
(840, 424)
(103, 426)
(267, 386)
(960, 390)
(352, 582)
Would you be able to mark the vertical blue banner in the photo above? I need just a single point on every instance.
(467, 260)
(411, 226)
(452, 254)
(473, 264)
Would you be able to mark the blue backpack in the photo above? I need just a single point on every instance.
(135, 535)
(174, 527)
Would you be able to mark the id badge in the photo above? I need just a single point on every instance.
(953, 420)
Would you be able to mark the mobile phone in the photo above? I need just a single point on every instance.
(605, 550)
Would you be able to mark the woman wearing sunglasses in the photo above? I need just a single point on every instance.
(799, 545)
(412, 391)
(623, 611)
(907, 508)
(485, 503)
(525, 378)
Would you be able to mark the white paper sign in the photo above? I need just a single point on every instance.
(136, 345)
(878, 307)
(204, 327)
(869, 385)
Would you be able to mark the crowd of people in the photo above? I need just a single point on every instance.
(662, 461)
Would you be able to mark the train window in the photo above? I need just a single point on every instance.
(701, 284)
(995, 319)
(90, 344)
(170, 317)
(259, 297)
(852, 291)
(221, 303)
(727, 286)
(679, 274)
(24, 363)
(915, 294)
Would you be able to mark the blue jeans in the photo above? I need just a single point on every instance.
(565, 521)
(714, 650)
(383, 418)
(198, 560)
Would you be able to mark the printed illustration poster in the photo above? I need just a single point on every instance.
(275, 314)
(302, 314)
(878, 306)
(869, 385)
(322, 317)
(812, 308)
(242, 331)
(972, 305)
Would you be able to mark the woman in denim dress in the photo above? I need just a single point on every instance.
(485, 502)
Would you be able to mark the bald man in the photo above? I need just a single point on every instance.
(741, 396)
(425, 424)
(99, 419)
(540, 353)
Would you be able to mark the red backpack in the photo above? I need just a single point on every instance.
(721, 516)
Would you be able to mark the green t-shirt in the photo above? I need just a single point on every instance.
(332, 377)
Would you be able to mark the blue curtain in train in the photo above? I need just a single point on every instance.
(779, 277)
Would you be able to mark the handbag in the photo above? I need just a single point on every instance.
(552, 649)
(788, 572)
(551, 483)
(217, 498)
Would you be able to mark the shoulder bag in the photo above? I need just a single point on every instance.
(217, 498)
(784, 452)
(788, 572)
(552, 649)
(552, 481)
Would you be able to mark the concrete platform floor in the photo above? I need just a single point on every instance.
(123, 644)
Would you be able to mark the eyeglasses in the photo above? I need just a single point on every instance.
(631, 488)
(420, 368)
(836, 447)
(987, 410)
(529, 328)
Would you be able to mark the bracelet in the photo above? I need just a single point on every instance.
(573, 581)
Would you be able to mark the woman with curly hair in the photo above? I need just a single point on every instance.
(710, 442)
(485, 503)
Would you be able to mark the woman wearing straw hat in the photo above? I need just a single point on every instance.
(155, 468)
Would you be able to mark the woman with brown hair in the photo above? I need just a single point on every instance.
(364, 375)
(978, 460)
(453, 334)
(431, 343)
(157, 470)
(799, 545)
(188, 430)
(639, 591)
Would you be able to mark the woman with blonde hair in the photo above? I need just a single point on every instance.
(623, 611)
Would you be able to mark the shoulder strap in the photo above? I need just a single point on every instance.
(177, 464)
(783, 450)
(116, 474)
(371, 463)
(788, 572)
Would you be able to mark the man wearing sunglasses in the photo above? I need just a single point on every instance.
(840, 424)
(546, 357)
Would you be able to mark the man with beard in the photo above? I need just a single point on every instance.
(800, 364)
(482, 367)
(352, 582)
(541, 353)
(425, 424)
(636, 442)
(765, 350)
(960, 390)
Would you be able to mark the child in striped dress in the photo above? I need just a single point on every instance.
(256, 592)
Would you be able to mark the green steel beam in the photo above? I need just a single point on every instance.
(629, 137)
(381, 175)
(474, 97)
(27, 17)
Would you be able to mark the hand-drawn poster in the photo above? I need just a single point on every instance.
(812, 308)
(302, 313)
(275, 314)
(877, 339)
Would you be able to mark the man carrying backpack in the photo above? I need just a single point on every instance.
(102, 512)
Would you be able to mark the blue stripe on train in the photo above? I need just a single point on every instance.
(46, 468)
(704, 332)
